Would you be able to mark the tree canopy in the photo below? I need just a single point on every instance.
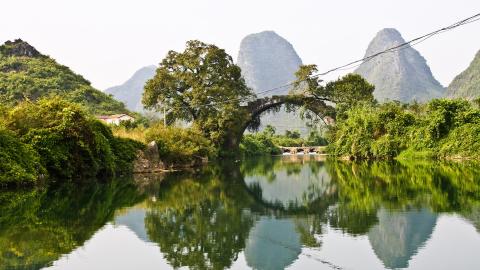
(201, 85)
(345, 92)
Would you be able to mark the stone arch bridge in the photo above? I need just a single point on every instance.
(256, 108)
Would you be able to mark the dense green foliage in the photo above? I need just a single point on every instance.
(345, 92)
(25, 74)
(268, 142)
(201, 85)
(67, 141)
(180, 146)
(442, 129)
(17, 160)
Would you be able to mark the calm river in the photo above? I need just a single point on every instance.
(295, 212)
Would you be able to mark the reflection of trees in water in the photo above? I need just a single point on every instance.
(440, 186)
(38, 226)
(203, 220)
(349, 220)
(401, 186)
(200, 221)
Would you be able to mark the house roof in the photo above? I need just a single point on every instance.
(113, 116)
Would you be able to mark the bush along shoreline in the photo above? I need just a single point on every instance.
(59, 141)
(440, 129)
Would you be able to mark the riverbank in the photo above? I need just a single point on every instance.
(440, 129)
(59, 141)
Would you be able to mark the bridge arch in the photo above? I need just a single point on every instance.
(256, 108)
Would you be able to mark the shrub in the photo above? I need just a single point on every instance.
(70, 143)
(258, 144)
(442, 129)
(180, 146)
(19, 163)
(370, 131)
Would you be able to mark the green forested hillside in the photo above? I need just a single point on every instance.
(467, 84)
(27, 74)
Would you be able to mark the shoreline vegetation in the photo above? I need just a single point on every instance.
(440, 129)
(48, 130)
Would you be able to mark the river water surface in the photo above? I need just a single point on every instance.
(295, 212)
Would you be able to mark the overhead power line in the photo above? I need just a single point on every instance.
(358, 62)
(410, 43)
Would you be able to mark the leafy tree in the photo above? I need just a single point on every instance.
(19, 163)
(349, 90)
(292, 134)
(201, 85)
(269, 130)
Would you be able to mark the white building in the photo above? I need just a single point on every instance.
(115, 119)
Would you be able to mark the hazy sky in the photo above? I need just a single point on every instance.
(107, 40)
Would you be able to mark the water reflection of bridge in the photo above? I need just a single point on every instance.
(304, 149)
(289, 200)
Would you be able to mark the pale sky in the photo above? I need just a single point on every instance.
(107, 41)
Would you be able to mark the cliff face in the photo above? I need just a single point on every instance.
(467, 84)
(131, 91)
(401, 75)
(267, 61)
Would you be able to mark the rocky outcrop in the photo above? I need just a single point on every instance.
(18, 47)
(401, 75)
(268, 61)
(467, 84)
(131, 91)
(148, 160)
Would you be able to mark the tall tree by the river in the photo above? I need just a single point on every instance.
(201, 85)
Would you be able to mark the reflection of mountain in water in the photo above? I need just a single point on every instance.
(398, 235)
(291, 189)
(134, 219)
(272, 244)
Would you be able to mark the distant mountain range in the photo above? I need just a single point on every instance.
(467, 84)
(131, 91)
(27, 74)
(401, 75)
(268, 60)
